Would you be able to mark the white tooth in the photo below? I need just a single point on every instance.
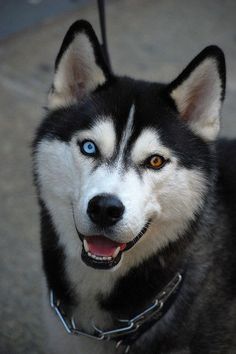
(86, 246)
(116, 252)
(99, 258)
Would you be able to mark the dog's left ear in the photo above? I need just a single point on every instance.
(198, 92)
(79, 68)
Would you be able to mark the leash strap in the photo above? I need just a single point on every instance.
(102, 20)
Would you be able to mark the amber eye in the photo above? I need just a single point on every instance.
(155, 162)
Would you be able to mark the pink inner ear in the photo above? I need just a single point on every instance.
(79, 89)
(193, 100)
(77, 80)
(190, 107)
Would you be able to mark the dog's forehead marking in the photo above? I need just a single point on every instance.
(103, 134)
(148, 143)
(127, 134)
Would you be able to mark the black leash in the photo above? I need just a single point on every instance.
(102, 20)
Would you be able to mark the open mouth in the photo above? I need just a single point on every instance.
(100, 252)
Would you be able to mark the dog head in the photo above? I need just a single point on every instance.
(123, 165)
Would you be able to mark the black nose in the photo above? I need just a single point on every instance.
(105, 210)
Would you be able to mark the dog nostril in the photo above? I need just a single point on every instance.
(93, 209)
(115, 211)
(105, 209)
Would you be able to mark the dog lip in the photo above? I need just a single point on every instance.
(100, 264)
(129, 244)
(108, 264)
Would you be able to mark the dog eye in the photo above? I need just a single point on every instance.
(88, 147)
(155, 162)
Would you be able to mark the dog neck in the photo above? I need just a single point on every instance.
(100, 297)
(139, 287)
(128, 331)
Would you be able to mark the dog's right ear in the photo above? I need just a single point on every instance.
(198, 92)
(79, 68)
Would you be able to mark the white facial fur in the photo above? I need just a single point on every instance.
(169, 196)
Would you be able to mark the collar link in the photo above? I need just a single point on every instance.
(128, 327)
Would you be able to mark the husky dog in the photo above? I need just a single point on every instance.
(137, 198)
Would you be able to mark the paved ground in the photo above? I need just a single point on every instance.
(17, 15)
(148, 39)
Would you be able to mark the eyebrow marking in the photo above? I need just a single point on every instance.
(103, 134)
(147, 144)
(127, 133)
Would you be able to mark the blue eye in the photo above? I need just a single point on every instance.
(88, 148)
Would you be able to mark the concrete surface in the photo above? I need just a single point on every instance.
(148, 39)
(17, 15)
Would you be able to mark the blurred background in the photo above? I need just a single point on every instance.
(149, 39)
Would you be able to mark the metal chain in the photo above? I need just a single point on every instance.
(129, 326)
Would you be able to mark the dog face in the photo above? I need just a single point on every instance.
(123, 165)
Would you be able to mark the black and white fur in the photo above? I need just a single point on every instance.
(190, 201)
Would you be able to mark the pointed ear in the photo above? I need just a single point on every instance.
(79, 68)
(198, 92)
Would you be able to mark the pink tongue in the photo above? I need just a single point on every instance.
(103, 246)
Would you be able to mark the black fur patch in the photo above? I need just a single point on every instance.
(54, 261)
(153, 108)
